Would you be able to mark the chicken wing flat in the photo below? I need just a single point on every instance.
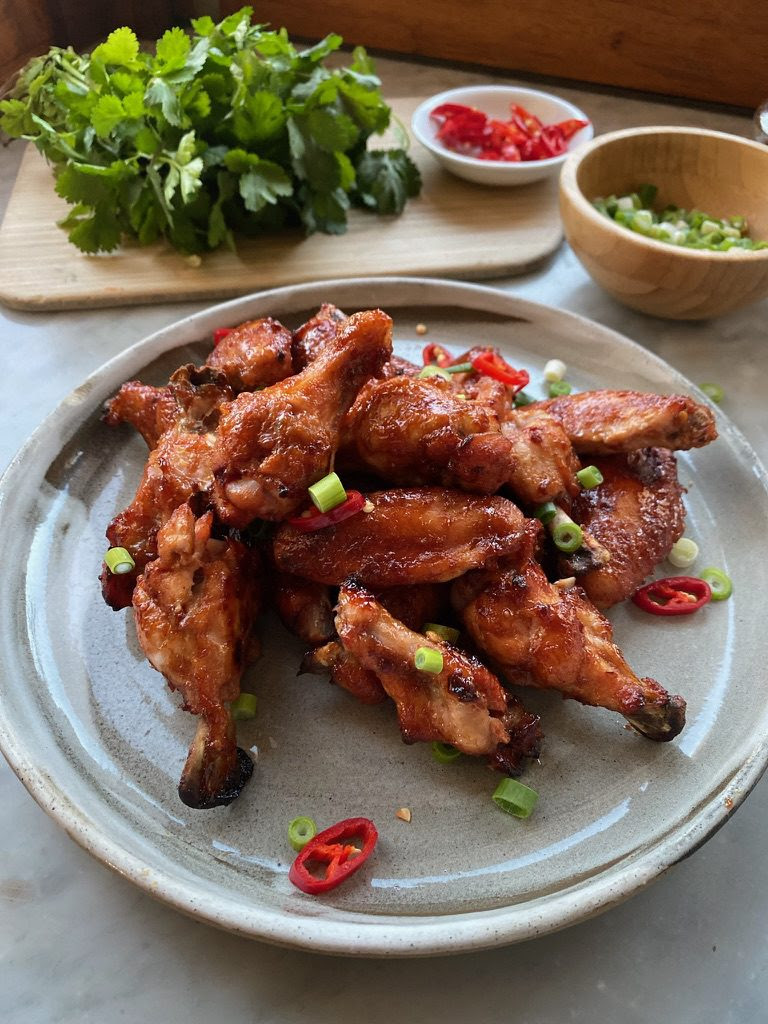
(191, 400)
(552, 638)
(273, 444)
(637, 513)
(426, 535)
(178, 468)
(254, 355)
(608, 422)
(194, 607)
(463, 704)
(416, 431)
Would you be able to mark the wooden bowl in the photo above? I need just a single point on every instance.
(723, 175)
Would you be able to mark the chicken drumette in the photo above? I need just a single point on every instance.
(554, 638)
(194, 607)
(272, 444)
(462, 704)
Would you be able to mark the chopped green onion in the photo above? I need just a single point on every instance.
(589, 477)
(555, 370)
(244, 707)
(719, 583)
(434, 371)
(521, 398)
(515, 798)
(444, 753)
(119, 561)
(327, 493)
(559, 387)
(546, 513)
(683, 553)
(713, 392)
(459, 368)
(567, 537)
(300, 831)
(447, 633)
(427, 659)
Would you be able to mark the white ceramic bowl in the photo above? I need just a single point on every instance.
(494, 100)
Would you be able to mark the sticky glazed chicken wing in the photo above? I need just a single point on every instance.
(543, 464)
(312, 337)
(190, 401)
(462, 704)
(178, 469)
(554, 638)
(426, 535)
(637, 514)
(254, 355)
(416, 431)
(608, 422)
(194, 607)
(305, 607)
(273, 444)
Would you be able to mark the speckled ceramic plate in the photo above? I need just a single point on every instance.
(99, 741)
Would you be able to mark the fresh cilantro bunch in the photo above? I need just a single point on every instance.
(227, 130)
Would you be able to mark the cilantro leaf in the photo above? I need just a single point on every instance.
(264, 183)
(121, 47)
(171, 51)
(386, 179)
(332, 130)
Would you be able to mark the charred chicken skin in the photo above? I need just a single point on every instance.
(554, 638)
(194, 607)
(273, 444)
(426, 535)
(637, 514)
(463, 704)
(608, 422)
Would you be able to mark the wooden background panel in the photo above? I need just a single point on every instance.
(703, 49)
(25, 31)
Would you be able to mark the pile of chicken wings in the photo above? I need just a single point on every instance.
(452, 472)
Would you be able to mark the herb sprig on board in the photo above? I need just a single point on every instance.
(227, 130)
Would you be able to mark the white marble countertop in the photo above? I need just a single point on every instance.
(79, 944)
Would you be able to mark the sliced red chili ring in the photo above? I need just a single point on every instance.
(673, 595)
(332, 847)
(491, 364)
(220, 333)
(436, 354)
(312, 520)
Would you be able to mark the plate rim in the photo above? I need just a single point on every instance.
(357, 933)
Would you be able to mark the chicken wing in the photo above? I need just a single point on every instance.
(416, 431)
(254, 355)
(426, 535)
(608, 422)
(413, 606)
(272, 444)
(194, 607)
(178, 469)
(191, 400)
(311, 338)
(553, 638)
(637, 513)
(463, 704)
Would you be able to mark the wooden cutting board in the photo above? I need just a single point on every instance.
(454, 229)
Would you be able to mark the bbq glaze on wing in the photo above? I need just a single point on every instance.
(463, 704)
(254, 355)
(271, 445)
(607, 422)
(637, 513)
(541, 635)
(426, 535)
